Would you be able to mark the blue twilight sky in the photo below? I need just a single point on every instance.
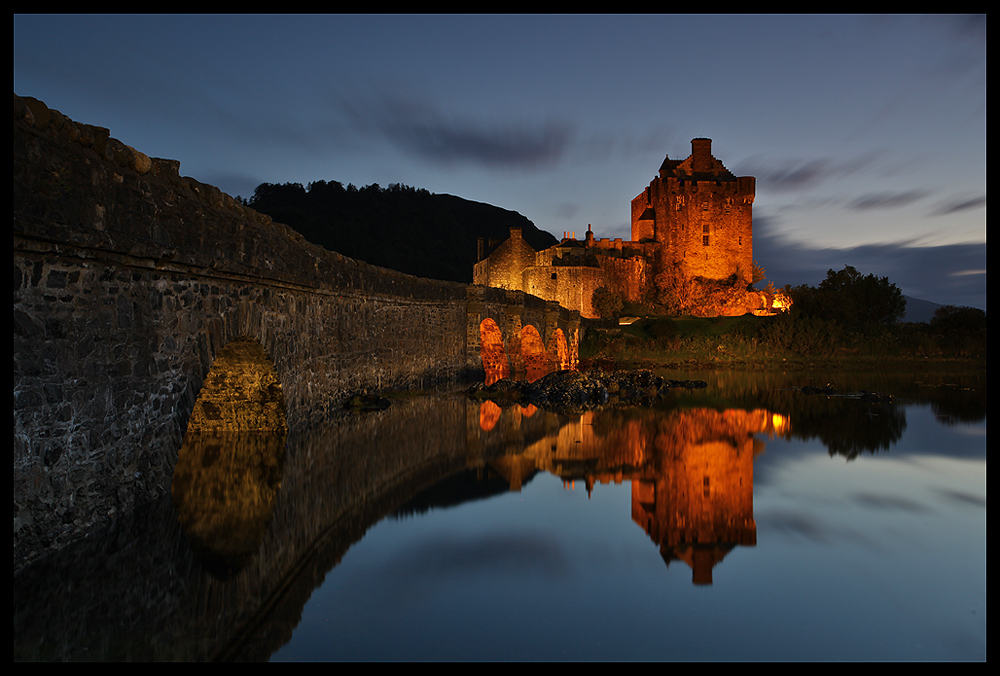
(867, 133)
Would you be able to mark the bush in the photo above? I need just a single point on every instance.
(794, 332)
(662, 328)
(607, 304)
(959, 330)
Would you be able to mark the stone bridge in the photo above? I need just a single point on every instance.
(130, 281)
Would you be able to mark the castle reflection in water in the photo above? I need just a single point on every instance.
(691, 470)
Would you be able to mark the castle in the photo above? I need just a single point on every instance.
(692, 225)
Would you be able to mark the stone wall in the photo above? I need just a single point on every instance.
(571, 286)
(129, 280)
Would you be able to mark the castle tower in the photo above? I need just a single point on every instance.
(699, 215)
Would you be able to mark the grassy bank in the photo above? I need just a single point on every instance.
(781, 341)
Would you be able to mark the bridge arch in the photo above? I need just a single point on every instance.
(558, 351)
(536, 336)
(533, 353)
(241, 392)
(494, 356)
(229, 467)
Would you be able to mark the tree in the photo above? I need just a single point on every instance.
(949, 319)
(960, 330)
(607, 304)
(674, 291)
(853, 300)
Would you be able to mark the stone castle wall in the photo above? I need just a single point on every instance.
(705, 226)
(570, 286)
(628, 277)
(503, 268)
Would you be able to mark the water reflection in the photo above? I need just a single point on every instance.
(277, 515)
(691, 470)
(224, 490)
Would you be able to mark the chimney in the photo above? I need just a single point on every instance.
(701, 155)
(515, 233)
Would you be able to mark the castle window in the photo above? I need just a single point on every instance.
(705, 228)
(553, 275)
(704, 205)
(704, 240)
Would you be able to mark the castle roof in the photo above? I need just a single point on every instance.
(669, 165)
(648, 215)
(699, 165)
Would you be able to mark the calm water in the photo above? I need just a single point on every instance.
(743, 521)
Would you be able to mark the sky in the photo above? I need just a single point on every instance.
(866, 133)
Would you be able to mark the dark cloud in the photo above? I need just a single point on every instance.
(952, 274)
(788, 175)
(888, 502)
(567, 210)
(964, 498)
(424, 132)
(795, 176)
(795, 524)
(960, 205)
(969, 28)
(883, 200)
(507, 147)
(441, 560)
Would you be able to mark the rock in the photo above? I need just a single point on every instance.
(505, 388)
(579, 390)
(875, 397)
(828, 389)
(362, 403)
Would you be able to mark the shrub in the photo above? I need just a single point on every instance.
(607, 304)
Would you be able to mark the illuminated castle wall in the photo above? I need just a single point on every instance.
(695, 217)
(699, 215)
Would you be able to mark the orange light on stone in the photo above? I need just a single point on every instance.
(781, 302)
(494, 357)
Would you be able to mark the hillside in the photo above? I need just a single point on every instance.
(918, 310)
(399, 227)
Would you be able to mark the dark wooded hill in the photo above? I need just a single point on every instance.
(398, 227)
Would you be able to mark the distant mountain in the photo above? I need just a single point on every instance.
(398, 227)
(919, 310)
